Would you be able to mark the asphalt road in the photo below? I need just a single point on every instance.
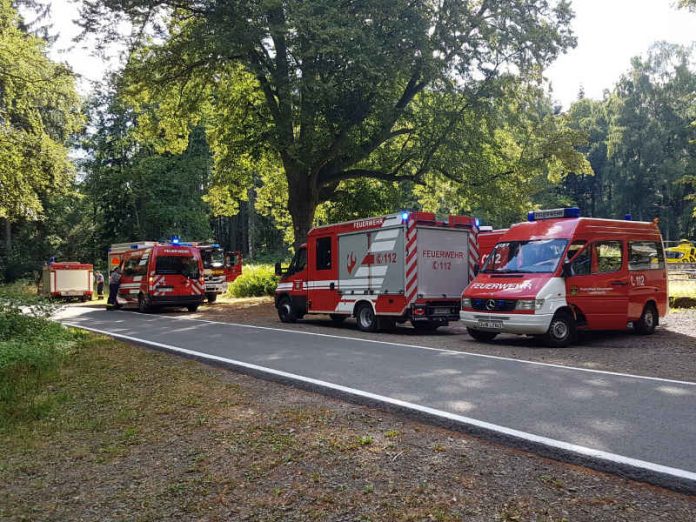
(641, 427)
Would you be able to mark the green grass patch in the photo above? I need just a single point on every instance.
(255, 281)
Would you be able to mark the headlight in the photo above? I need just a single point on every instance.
(466, 302)
(529, 304)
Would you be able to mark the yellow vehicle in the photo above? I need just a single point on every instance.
(683, 252)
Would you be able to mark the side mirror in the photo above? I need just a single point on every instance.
(278, 269)
(566, 270)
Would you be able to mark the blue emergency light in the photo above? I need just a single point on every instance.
(628, 217)
(553, 213)
(477, 222)
(404, 216)
(175, 240)
(215, 245)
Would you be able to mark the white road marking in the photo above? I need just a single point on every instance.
(565, 446)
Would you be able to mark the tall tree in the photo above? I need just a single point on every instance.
(39, 112)
(331, 84)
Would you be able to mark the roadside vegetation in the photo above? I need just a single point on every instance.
(256, 280)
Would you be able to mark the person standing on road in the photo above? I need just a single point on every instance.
(114, 283)
(99, 279)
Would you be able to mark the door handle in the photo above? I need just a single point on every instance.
(332, 286)
(619, 283)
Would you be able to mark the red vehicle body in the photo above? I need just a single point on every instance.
(233, 265)
(555, 275)
(161, 275)
(382, 270)
(487, 239)
(67, 280)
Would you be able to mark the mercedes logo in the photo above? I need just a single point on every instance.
(490, 304)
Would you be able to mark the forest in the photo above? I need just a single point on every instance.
(248, 122)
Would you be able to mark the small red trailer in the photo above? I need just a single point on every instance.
(67, 280)
(396, 268)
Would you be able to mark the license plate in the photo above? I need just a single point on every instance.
(490, 325)
(71, 293)
(441, 311)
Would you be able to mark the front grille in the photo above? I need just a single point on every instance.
(493, 305)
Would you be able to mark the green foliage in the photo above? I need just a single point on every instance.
(31, 349)
(255, 281)
(326, 91)
(39, 112)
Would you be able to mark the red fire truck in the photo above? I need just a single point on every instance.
(162, 274)
(382, 270)
(559, 273)
(233, 266)
(67, 280)
(487, 239)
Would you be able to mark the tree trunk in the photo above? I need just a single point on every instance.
(251, 195)
(8, 237)
(303, 199)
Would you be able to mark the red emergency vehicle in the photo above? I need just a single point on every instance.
(162, 274)
(487, 239)
(382, 270)
(67, 280)
(233, 266)
(559, 273)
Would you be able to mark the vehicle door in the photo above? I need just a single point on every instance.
(598, 284)
(130, 277)
(178, 272)
(322, 285)
(648, 277)
(297, 276)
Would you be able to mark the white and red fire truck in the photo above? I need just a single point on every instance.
(67, 280)
(160, 274)
(214, 265)
(382, 270)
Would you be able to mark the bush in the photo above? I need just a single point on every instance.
(255, 281)
(31, 349)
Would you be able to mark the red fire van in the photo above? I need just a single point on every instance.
(559, 273)
(164, 274)
(382, 270)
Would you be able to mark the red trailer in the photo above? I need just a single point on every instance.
(67, 280)
(382, 270)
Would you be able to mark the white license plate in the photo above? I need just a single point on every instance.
(441, 311)
(71, 293)
(490, 325)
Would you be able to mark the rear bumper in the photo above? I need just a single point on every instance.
(435, 311)
(529, 324)
(176, 300)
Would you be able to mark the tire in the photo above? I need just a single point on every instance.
(367, 320)
(482, 335)
(211, 296)
(561, 331)
(84, 298)
(648, 321)
(286, 312)
(143, 304)
(338, 318)
(192, 308)
(425, 326)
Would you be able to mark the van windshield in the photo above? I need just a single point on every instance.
(181, 265)
(213, 258)
(539, 256)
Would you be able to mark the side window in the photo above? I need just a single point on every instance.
(608, 256)
(131, 266)
(645, 255)
(580, 262)
(324, 253)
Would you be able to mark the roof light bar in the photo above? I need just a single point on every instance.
(553, 213)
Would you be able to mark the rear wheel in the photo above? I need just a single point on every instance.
(286, 312)
(648, 320)
(338, 318)
(143, 304)
(561, 331)
(192, 307)
(482, 335)
(211, 296)
(367, 320)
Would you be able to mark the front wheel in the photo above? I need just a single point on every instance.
(648, 320)
(286, 313)
(561, 332)
(143, 304)
(367, 320)
(482, 335)
(211, 296)
(192, 307)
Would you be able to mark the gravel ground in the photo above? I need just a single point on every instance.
(670, 353)
(135, 435)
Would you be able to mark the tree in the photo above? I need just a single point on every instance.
(39, 112)
(328, 89)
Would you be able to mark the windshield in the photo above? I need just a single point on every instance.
(540, 256)
(213, 258)
(172, 265)
(674, 255)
